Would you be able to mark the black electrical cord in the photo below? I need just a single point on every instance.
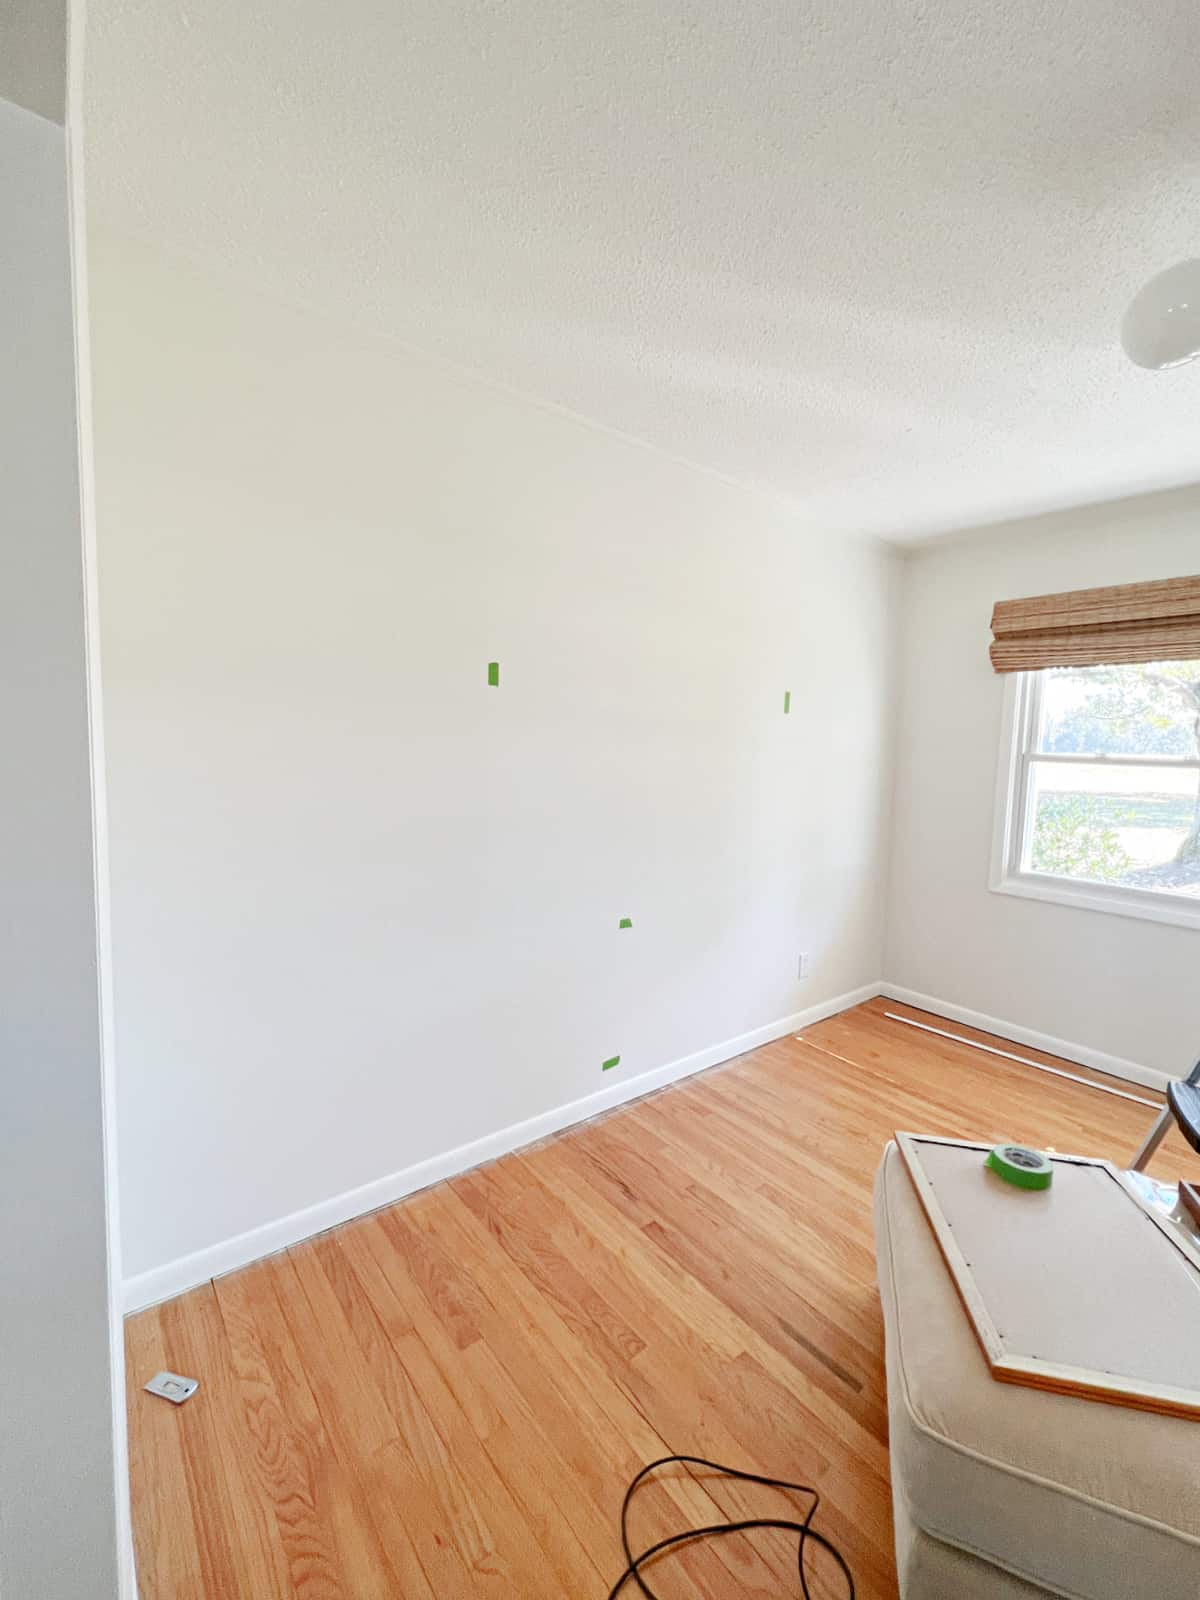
(634, 1564)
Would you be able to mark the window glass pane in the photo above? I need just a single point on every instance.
(1137, 827)
(1148, 710)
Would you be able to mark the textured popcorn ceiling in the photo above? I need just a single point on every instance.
(867, 256)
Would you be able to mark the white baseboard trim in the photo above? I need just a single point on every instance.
(188, 1272)
(1115, 1066)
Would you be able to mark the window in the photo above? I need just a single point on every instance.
(1099, 800)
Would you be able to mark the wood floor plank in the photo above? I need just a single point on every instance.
(451, 1505)
(598, 1432)
(514, 1438)
(240, 1545)
(447, 1399)
(291, 1472)
(803, 1254)
(332, 1544)
(582, 1432)
(734, 1401)
(748, 1269)
(166, 1538)
(343, 1412)
(734, 1409)
(697, 1323)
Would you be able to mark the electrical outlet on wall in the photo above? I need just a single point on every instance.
(804, 965)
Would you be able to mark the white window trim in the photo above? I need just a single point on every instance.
(1021, 696)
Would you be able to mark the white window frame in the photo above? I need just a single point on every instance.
(1022, 706)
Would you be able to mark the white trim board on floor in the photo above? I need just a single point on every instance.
(163, 1283)
(1115, 1066)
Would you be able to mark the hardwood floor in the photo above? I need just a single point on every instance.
(449, 1397)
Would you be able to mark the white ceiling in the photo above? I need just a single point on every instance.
(33, 55)
(867, 256)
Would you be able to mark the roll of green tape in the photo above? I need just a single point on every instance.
(1027, 1169)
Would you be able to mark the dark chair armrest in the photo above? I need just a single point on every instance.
(1184, 1100)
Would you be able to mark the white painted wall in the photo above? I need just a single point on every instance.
(365, 907)
(1111, 984)
(59, 1489)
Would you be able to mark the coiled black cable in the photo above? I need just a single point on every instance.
(634, 1564)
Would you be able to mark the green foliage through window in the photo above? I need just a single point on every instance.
(1074, 837)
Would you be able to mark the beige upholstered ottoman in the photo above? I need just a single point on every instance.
(1006, 1493)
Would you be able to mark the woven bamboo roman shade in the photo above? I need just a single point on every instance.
(1098, 627)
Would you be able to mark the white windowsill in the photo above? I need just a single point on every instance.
(1149, 907)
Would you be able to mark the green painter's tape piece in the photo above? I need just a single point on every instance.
(625, 922)
(607, 1066)
(787, 700)
(493, 674)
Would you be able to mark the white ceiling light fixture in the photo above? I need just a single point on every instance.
(1161, 328)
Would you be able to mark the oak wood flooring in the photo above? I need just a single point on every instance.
(447, 1398)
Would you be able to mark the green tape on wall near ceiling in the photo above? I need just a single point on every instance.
(787, 700)
(625, 922)
(607, 1066)
(493, 674)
